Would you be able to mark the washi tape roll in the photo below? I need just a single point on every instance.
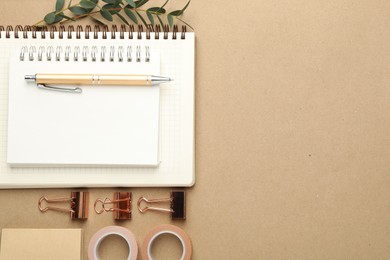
(98, 237)
(166, 229)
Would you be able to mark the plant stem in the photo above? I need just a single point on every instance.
(181, 20)
(110, 9)
(41, 21)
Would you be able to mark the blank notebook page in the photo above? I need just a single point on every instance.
(103, 125)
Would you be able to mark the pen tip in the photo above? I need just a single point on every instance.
(30, 77)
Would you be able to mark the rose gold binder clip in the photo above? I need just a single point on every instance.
(177, 209)
(78, 204)
(121, 205)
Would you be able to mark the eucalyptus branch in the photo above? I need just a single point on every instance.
(55, 13)
(123, 9)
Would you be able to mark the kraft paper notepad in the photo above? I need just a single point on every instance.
(105, 136)
(41, 244)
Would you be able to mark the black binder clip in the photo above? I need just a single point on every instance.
(121, 205)
(177, 209)
(78, 204)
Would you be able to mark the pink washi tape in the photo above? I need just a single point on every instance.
(98, 237)
(166, 229)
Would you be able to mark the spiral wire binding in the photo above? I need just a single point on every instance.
(49, 52)
(85, 53)
(58, 53)
(67, 53)
(76, 53)
(31, 52)
(125, 31)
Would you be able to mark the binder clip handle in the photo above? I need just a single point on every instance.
(78, 204)
(121, 205)
(57, 200)
(146, 208)
(177, 205)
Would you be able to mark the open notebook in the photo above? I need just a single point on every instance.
(106, 136)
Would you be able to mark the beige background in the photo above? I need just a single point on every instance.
(292, 134)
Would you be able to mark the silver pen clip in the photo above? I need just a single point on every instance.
(68, 90)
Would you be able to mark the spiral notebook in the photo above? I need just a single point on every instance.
(107, 135)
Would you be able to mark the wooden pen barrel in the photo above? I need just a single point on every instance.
(92, 79)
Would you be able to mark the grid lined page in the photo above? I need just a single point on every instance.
(176, 121)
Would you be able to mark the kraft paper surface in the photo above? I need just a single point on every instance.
(292, 135)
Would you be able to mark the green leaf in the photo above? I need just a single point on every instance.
(93, 1)
(70, 3)
(170, 20)
(142, 19)
(106, 14)
(65, 17)
(87, 4)
(114, 2)
(175, 13)
(97, 19)
(122, 18)
(77, 10)
(140, 3)
(131, 3)
(112, 8)
(161, 22)
(50, 18)
(157, 10)
(58, 17)
(131, 15)
(150, 16)
(59, 5)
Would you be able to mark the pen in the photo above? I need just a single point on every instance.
(97, 79)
